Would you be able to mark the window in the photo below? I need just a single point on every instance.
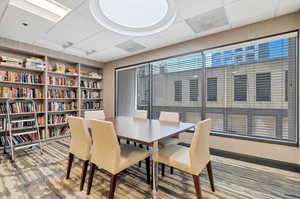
(263, 87)
(249, 90)
(178, 91)
(286, 85)
(212, 89)
(194, 92)
(240, 88)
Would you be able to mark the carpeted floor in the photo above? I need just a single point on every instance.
(35, 176)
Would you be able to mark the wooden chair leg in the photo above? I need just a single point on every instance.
(210, 176)
(71, 158)
(197, 186)
(162, 169)
(113, 182)
(83, 174)
(172, 170)
(128, 142)
(90, 182)
(134, 143)
(140, 163)
(148, 170)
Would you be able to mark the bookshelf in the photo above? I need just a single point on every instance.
(60, 88)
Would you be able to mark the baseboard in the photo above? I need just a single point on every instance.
(254, 159)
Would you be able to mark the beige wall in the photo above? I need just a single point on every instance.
(265, 28)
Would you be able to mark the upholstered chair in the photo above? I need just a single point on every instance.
(94, 115)
(191, 160)
(80, 145)
(109, 155)
(168, 117)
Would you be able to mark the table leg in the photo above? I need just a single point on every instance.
(155, 170)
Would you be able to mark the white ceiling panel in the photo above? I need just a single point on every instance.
(176, 33)
(3, 6)
(190, 8)
(102, 40)
(73, 28)
(14, 29)
(287, 6)
(70, 3)
(249, 11)
(109, 54)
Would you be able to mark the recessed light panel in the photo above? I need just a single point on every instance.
(48, 9)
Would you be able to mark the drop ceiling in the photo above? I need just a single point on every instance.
(79, 34)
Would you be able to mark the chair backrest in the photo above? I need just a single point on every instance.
(106, 149)
(169, 117)
(94, 115)
(81, 142)
(199, 150)
(140, 114)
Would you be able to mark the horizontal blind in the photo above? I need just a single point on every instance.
(176, 86)
(256, 88)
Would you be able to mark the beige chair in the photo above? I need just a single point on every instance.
(109, 155)
(80, 145)
(94, 115)
(140, 114)
(168, 117)
(191, 160)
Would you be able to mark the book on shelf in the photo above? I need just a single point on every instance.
(62, 68)
(85, 94)
(62, 106)
(34, 63)
(20, 77)
(11, 61)
(90, 74)
(89, 84)
(61, 93)
(56, 131)
(22, 124)
(59, 118)
(2, 124)
(17, 92)
(61, 81)
(23, 107)
(91, 105)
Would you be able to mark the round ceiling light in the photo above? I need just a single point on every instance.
(134, 17)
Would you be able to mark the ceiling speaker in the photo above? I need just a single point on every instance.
(208, 21)
(130, 46)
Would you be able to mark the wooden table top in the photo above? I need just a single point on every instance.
(147, 131)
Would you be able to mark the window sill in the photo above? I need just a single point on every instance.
(254, 139)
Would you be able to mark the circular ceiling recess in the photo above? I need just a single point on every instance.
(134, 17)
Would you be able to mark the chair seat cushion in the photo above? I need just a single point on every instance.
(131, 155)
(175, 156)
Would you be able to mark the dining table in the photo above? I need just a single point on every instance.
(148, 132)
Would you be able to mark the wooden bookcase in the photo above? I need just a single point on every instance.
(70, 90)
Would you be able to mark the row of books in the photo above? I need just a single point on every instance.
(85, 94)
(91, 105)
(62, 106)
(22, 107)
(62, 68)
(58, 119)
(20, 139)
(89, 84)
(61, 81)
(60, 93)
(29, 62)
(17, 92)
(55, 131)
(20, 77)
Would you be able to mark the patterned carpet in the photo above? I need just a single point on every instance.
(35, 176)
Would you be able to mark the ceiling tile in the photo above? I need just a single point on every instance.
(16, 31)
(109, 54)
(102, 40)
(249, 11)
(130, 46)
(73, 28)
(287, 6)
(174, 34)
(70, 3)
(190, 8)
